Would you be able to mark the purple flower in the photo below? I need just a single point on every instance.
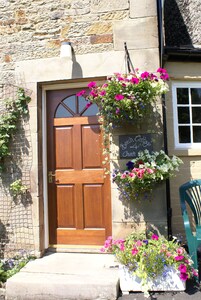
(81, 93)
(119, 97)
(92, 84)
(130, 165)
(182, 268)
(164, 76)
(117, 111)
(93, 93)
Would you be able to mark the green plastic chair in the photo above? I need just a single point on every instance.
(190, 192)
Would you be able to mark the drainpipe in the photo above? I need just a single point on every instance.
(161, 45)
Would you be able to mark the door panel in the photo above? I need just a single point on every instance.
(64, 155)
(79, 194)
(93, 206)
(91, 146)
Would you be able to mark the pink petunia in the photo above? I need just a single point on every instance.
(140, 173)
(161, 70)
(105, 85)
(92, 84)
(155, 237)
(88, 105)
(139, 243)
(144, 75)
(123, 176)
(102, 93)
(179, 257)
(182, 268)
(149, 171)
(120, 78)
(180, 251)
(119, 97)
(134, 251)
(93, 94)
(164, 76)
(195, 273)
(183, 276)
(168, 254)
(134, 80)
(81, 93)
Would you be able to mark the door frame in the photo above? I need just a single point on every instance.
(57, 86)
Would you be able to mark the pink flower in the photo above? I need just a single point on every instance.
(88, 105)
(132, 175)
(105, 85)
(123, 176)
(144, 75)
(195, 273)
(81, 93)
(139, 243)
(182, 268)
(122, 247)
(161, 70)
(93, 94)
(102, 250)
(134, 80)
(102, 93)
(155, 237)
(168, 254)
(179, 257)
(140, 173)
(180, 251)
(134, 251)
(92, 84)
(120, 78)
(164, 76)
(119, 97)
(183, 276)
(117, 111)
(150, 171)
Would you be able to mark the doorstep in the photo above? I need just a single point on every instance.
(69, 276)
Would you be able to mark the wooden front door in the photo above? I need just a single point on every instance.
(79, 202)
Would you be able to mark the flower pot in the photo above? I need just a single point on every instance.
(168, 282)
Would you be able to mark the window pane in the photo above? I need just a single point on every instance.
(196, 114)
(82, 103)
(71, 102)
(62, 112)
(183, 115)
(91, 111)
(184, 134)
(182, 96)
(197, 134)
(196, 95)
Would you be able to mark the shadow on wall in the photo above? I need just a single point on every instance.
(76, 69)
(176, 31)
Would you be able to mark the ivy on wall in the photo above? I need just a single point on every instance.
(15, 111)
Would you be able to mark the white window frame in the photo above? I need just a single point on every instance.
(175, 85)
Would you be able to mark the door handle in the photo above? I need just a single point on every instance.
(50, 176)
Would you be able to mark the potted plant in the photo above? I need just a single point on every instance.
(152, 263)
(127, 97)
(144, 172)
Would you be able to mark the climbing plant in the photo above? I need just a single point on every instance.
(9, 119)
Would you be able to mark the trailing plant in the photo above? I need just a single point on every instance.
(144, 172)
(11, 266)
(127, 97)
(15, 110)
(150, 256)
(17, 188)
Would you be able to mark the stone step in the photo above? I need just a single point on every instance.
(66, 276)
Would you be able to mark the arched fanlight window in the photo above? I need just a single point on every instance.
(75, 106)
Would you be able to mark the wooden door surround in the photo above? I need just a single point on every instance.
(79, 202)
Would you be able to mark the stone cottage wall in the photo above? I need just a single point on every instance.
(31, 33)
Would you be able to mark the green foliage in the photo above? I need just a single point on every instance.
(144, 172)
(10, 266)
(15, 110)
(17, 188)
(150, 257)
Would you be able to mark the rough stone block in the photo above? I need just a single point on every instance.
(100, 28)
(141, 33)
(106, 6)
(101, 39)
(145, 8)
